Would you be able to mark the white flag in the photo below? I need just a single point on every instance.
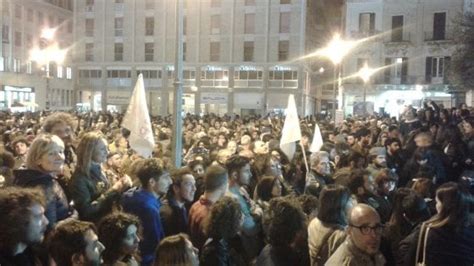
(291, 129)
(137, 120)
(317, 142)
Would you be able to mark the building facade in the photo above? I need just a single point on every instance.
(410, 42)
(239, 55)
(26, 84)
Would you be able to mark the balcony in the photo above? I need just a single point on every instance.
(394, 39)
(436, 36)
(356, 34)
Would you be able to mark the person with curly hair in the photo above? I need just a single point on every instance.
(222, 226)
(75, 242)
(22, 225)
(176, 250)
(145, 203)
(286, 228)
(119, 233)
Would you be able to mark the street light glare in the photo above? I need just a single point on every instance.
(48, 33)
(337, 49)
(366, 72)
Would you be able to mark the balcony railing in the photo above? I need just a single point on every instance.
(404, 37)
(447, 35)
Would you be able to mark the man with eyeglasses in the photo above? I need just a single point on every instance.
(362, 244)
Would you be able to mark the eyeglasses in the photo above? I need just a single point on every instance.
(365, 229)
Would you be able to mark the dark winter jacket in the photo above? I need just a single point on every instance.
(92, 197)
(57, 207)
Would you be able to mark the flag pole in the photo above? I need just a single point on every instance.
(177, 139)
(304, 157)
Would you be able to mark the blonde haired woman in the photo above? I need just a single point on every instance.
(93, 196)
(45, 159)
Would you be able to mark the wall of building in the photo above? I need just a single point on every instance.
(22, 22)
(198, 38)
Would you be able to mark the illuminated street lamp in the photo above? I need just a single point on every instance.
(365, 73)
(48, 52)
(335, 51)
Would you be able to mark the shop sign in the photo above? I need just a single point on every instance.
(215, 98)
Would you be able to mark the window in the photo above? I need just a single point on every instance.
(89, 5)
(149, 26)
(285, 2)
(18, 11)
(68, 73)
(367, 23)
(89, 27)
(215, 51)
(249, 2)
(184, 51)
(149, 51)
(5, 34)
(284, 22)
(215, 24)
(29, 14)
(283, 50)
(119, 1)
(248, 74)
(149, 4)
(40, 18)
(397, 28)
(189, 74)
(215, 3)
(119, 74)
(90, 73)
(69, 26)
(249, 27)
(6, 9)
(214, 74)
(436, 67)
(17, 38)
(150, 74)
(248, 51)
(439, 26)
(185, 25)
(118, 52)
(29, 67)
(60, 25)
(89, 52)
(16, 65)
(118, 25)
(282, 74)
(60, 72)
(29, 41)
(51, 21)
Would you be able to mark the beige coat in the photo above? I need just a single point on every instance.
(349, 255)
(323, 240)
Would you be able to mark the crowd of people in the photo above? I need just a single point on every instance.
(380, 191)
